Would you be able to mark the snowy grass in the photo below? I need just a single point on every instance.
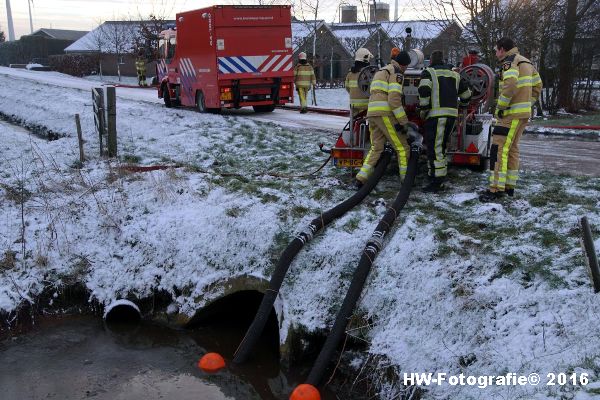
(505, 283)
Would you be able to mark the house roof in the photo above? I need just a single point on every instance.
(62, 34)
(303, 29)
(426, 29)
(96, 41)
(353, 36)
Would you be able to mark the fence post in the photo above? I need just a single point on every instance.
(79, 138)
(111, 115)
(99, 118)
(587, 243)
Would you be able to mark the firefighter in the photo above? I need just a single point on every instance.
(386, 115)
(358, 100)
(520, 87)
(140, 68)
(439, 90)
(304, 77)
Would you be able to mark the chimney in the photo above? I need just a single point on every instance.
(379, 11)
(348, 13)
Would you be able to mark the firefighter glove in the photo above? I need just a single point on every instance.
(400, 128)
(499, 113)
(423, 114)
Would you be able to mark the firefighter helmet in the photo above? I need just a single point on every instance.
(302, 56)
(363, 54)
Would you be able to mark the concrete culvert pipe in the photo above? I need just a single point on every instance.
(122, 311)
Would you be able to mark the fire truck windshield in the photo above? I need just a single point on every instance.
(167, 46)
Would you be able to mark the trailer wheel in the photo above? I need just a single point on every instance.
(484, 165)
(167, 96)
(200, 106)
(268, 108)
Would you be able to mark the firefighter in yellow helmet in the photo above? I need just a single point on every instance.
(439, 90)
(304, 77)
(358, 100)
(386, 115)
(520, 88)
(140, 68)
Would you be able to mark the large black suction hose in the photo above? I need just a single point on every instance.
(262, 315)
(371, 250)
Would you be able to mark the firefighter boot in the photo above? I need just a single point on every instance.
(435, 185)
(490, 197)
(510, 192)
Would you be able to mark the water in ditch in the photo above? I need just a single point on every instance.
(80, 357)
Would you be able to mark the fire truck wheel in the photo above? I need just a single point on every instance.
(167, 97)
(200, 106)
(260, 109)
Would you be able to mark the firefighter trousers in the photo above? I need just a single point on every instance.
(141, 75)
(302, 94)
(382, 129)
(504, 155)
(437, 131)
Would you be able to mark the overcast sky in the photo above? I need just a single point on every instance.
(86, 14)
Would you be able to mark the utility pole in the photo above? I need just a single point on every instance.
(379, 61)
(30, 19)
(11, 29)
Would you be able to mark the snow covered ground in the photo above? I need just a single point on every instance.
(502, 285)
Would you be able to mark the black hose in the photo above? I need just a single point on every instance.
(371, 250)
(590, 253)
(262, 315)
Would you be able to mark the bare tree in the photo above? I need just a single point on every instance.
(96, 41)
(308, 12)
(151, 24)
(575, 12)
(119, 37)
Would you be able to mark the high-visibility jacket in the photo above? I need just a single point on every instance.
(520, 86)
(386, 93)
(358, 100)
(140, 65)
(304, 75)
(439, 90)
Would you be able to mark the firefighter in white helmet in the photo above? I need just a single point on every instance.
(304, 77)
(358, 100)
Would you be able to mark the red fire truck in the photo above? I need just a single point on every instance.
(227, 57)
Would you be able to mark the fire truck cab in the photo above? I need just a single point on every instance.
(227, 57)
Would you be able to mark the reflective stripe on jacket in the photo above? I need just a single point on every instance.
(439, 90)
(358, 100)
(386, 93)
(520, 86)
(304, 75)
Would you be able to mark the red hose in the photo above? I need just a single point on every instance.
(145, 168)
